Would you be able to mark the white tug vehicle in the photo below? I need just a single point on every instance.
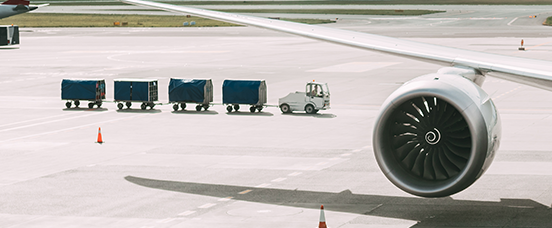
(315, 98)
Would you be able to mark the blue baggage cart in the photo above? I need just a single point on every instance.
(136, 90)
(198, 91)
(248, 92)
(76, 90)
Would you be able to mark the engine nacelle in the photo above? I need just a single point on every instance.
(436, 135)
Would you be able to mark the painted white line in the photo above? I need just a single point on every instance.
(167, 220)
(346, 154)
(53, 121)
(68, 129)
(186, 213)
(357, 150)
(295, 174)
(279, 179)
(366, 147)
(225, 199)
(262, 185)
(333, 159)
(207, 205)
(512, 21)
(37, 119)
(322, 163)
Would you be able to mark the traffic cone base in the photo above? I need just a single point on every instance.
(100, 141)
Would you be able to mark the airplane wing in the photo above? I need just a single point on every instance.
(531, 72)
(436, 134)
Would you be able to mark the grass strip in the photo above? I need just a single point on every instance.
(337, 11)
(548, 21)
(107, 20)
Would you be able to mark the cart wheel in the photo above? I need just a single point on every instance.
(175, 107)
(90, 105)
(260, 108)
(128, 104)
(77, 103)
(120, 105)
(229, 108)
(151, 105)
(285, 108)
(68, 104)
(236, 107)
(99, 104)
(205, 107)
(143, 106)
(252, 109)
(309, 109)
(183, 106)
(198, 108)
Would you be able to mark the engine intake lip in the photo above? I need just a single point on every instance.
(408, 181)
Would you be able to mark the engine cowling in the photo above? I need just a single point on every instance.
(436, 135)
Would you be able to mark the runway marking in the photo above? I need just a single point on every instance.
(346, 154)
(322, 163)
(225, 199)
(366, 147)
(167, 220)
(538, 45)
(262, 185)
(186, 213)
(354, 67)
(53, 121)
(495, 98)
(279, 179)
(207, 205)
(512, 21)
(357, 150)
(37, 119)
(294, 174)
(68, 129)
(245, 192)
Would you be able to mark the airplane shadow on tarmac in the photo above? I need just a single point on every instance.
(86, 109)
(429, 212)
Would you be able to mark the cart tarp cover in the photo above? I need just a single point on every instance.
(240, 92)
(189, 90)
(139, 91)
(72, 89)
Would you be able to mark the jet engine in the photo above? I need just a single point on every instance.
(436, 135)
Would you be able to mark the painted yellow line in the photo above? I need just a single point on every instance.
(225, 199)
(538, 45)
(245, 192)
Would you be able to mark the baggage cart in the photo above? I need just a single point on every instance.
(247, 92)
(183, 91)
(136, 90)
(9, 35)
(76, 90)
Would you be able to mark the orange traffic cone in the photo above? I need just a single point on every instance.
(100, 141)
(322, 223)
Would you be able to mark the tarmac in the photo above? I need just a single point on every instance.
(165, 168)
